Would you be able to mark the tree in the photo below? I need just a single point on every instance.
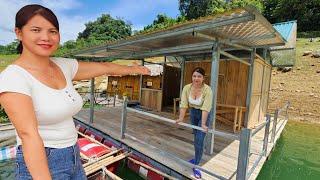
(3, 115)
(106, 28)
(307, 13)
(11, 48)
(162, 21)
(270, 9)
(242, 3)
(193, 9)
(2, 49)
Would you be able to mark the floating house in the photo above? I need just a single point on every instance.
(234, 49)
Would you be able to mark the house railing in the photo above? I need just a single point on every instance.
(245, 138)
(243, 171)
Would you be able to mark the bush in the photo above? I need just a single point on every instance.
(308, 34)
(3, 116)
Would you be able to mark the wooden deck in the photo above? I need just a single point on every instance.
(164, 142)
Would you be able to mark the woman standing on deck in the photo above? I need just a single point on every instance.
(197, 96)
(36, 92)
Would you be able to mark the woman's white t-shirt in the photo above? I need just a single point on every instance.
(53, 108)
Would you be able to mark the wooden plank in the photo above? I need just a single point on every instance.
(255, 106)
(151, 98)
(171, 84)
(129, 85)
(232, 82)
(165, 138)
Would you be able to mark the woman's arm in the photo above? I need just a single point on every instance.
(204, 118)
(181, 114)
(206, 107)
(183, 104)
(87, 70)
(20, 111)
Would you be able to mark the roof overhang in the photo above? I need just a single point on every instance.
(243, 28)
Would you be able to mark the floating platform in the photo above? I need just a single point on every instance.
(168, 147)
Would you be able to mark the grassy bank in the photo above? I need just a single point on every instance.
(300, 86)
(5, 60)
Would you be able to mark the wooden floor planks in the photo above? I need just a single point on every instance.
(168, 141)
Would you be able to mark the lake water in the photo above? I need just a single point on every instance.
(7, 171)
(296, 155)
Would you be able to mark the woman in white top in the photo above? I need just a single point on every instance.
(37, 94)
(197, 96)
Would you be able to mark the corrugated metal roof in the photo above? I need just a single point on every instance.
(244, 26)
(285, 28)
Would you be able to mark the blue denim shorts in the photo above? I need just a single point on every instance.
(64, 164)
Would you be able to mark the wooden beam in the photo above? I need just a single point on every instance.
(249, 90)
(91, 100)
(141, 81)
(235, 58)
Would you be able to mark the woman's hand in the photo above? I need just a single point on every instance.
(179, 121)
(205, 127)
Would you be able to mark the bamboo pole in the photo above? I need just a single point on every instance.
(104, 163)
(240, 120)
(92, 139)
(6, 127)
(235, 121)
(108, 173)
(111, 175)
(9, 141)
(107, 161)
(100, 158)
(84, 156)
(152, 169)
(97, 165)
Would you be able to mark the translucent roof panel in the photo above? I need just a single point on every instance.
(285, 28)
(244, 26)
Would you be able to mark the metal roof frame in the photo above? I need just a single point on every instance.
(243, 28)
(239, 29)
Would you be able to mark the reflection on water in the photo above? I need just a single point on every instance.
(7, 169)
(297, 154)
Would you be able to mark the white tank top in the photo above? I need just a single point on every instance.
(197, 102)
(53, 108)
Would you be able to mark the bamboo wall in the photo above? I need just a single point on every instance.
(151, 94)
(232, 81)
(129, 85)
(158, 95)
(232, 86)
(155, 81)
(260, 92)
(151, 98)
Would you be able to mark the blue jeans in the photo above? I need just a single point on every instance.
(64, 164)
(195, 117)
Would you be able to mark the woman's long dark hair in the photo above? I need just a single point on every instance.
(28, 11)
(199, 70)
